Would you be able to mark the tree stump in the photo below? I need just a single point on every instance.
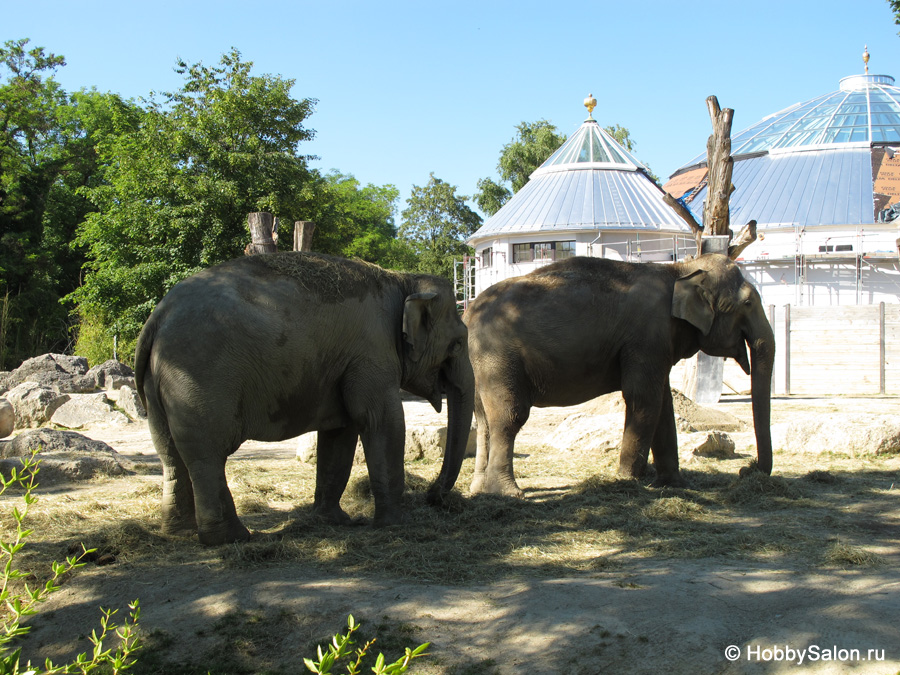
(263, 238)
(303, 234)
(716, 219)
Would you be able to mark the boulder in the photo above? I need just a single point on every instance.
(87, 410)
(855, 435)
(7, 418)
(59, 372)
(65, 456)
(716, 444)
(689, 417)
(110, 375)
(583, 431)
(127, 400)
(34, 404)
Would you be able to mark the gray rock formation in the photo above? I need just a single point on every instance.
(86, 410)
(854, 435)
(64, 455)
(7, 418)
(34, 404)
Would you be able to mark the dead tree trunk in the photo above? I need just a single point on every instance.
(718, 156)
(303, 234)
(263, 238)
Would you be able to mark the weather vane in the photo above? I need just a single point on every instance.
(590, 103)
(865, 59)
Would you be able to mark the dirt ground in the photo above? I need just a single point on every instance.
(646, 614)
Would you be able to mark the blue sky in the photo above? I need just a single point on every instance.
(408, 88)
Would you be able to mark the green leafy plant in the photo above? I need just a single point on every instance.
(341, 647)
(22, 601)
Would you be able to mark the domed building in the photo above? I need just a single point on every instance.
(591, 197)
(822, 180)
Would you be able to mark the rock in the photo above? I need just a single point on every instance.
(127, 399)
(421, 442)
(110, 375)
(713, 444)
(307, 446)
(59, 372)
(34, 404)
(64, 455)
(85, 410)
(689, 417)
(855, 435)
(7, 418)
(583, 431)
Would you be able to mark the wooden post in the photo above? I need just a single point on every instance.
(262, 233)
(718, 157)
(882, 350)
(303, 234)
(787, 350)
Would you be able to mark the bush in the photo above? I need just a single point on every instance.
(341, 646)
(22, 601)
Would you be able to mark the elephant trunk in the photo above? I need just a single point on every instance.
(761, 341)
(459, 380)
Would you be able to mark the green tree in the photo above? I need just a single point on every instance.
(357, 221)
(436, 223)
(532, 145)
(895, 8)
(180, 177)
(46, 154)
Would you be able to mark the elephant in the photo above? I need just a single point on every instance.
(582, 327)
(268, 347)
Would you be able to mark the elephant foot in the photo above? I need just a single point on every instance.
(337, 516)
(506, 488)
(386, 517)
(228, 535)
(671, 480)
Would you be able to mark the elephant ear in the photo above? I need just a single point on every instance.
(416, 319)
(693, 301)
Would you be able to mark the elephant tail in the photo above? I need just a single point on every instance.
(142, 357)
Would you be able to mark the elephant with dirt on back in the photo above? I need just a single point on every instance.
(269, 347)
(583, 327)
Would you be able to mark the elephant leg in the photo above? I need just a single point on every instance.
(217, 519)
(177, 507)
(334, 462)
(665, 445)
(384, 443)
(505, 417)
(643, 400)
(483, 440)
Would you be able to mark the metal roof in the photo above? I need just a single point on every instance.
(590, 183)
(816, 187)
(822, 162)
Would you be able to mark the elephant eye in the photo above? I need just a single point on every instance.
(455, 348)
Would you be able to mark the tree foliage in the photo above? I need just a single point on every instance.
(180, 177)
(46, 156)
(436, 224)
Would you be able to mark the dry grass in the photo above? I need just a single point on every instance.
(573, 520)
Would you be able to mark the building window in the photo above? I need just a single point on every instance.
(545, 250)
(565, 249)
(523, 253)
(487, 257)
(840, 248)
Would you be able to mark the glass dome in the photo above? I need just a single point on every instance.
(590, 147)
(866, 109)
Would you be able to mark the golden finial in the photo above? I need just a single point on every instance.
(590, 103)
(866, 58)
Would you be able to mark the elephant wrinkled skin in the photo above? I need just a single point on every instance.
(272, 346)
(583, 327)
